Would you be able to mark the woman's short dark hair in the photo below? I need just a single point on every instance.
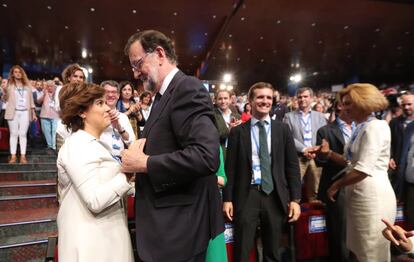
(122, 85)
(76, 98)
(145, 94)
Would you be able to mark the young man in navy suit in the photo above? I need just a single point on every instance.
(264, 186)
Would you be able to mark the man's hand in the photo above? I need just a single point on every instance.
(397, 236)
(392, 165)
(134, 159)
(310, 152)
(114, 114)
(234, 123)
(294, 211)
(228, 210)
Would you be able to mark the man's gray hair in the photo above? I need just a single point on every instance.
(111, 83)
(304, 89)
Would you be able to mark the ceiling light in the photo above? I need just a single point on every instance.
(377, 30)
(346, 27)
(242, 18)
(102, 28)
(296, 78)
(313, 24)
(175, 13)
(214, 16)
(84, 53)
(92, 9)
(134, 11)
(230, 87)
(90, 70)
(66, 27)
(49, 7)
(4, 5)
(222, 86)
(227, 77)
(278, 21)
(29, 26)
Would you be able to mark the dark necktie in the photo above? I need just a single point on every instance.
(156, 100)
(267, 182)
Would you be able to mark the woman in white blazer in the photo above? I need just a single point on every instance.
(369, 196)
(91, 221)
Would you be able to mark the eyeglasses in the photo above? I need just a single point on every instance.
(137, 64)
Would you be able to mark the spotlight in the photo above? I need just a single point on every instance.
(227, 77)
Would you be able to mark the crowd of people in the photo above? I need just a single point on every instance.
(175, 147)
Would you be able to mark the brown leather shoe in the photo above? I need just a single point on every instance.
(23, 159)
(13, 159)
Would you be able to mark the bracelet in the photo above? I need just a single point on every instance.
(121, 132)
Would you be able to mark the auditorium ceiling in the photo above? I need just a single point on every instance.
(327, 41)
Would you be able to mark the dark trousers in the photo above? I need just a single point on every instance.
(409, 205)
(266, 211)
(201, 257)
(336, 228)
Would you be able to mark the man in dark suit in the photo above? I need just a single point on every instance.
(264, 185)
(177, 199)
(397, 126)
(225, 118)
(337, 134)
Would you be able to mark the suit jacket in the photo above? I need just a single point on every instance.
(285, 166)
(178, 207)
(399, 185)
(397, 132)
(293, 120)
(11, 102)
(333, 135)
(222, 127)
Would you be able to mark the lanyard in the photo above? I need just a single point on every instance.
(255, 135)
(20, 90)
(306, 125)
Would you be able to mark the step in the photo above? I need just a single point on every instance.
(31, 158)
(28, 175)
(28, 167)
(29, 251)
(10, 188)
(13, 232)
(25, 215)
(20, 202)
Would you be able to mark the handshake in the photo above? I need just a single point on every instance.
(322, 151)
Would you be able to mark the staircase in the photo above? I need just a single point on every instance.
(28, 206)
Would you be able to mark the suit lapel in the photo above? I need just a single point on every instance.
(299, 123)
(246, 137)
(157, 111)
(274, 142)
(337, 132)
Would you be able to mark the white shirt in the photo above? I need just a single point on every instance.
(167, 81)
(113, 139)
(254, 136)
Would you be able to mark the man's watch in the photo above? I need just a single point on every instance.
(121, 132)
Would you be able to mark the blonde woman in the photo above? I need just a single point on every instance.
(369, 195)
(20, 111)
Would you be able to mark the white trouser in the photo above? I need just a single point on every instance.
(19, 126)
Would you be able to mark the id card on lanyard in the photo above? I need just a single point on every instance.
(20, 99)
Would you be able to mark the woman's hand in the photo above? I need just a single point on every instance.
(397, 236)
(332, 190)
